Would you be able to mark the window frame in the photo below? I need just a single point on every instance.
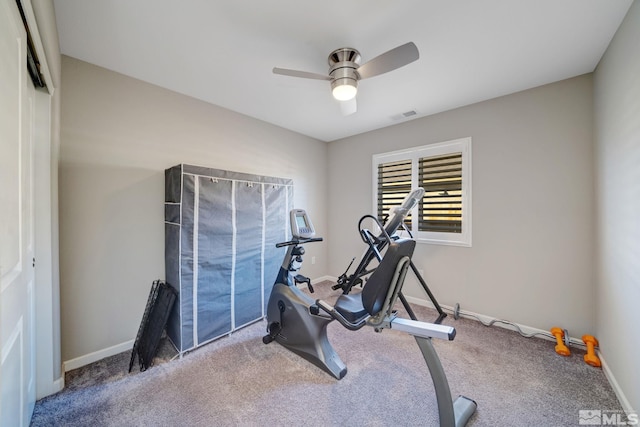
(461, 145)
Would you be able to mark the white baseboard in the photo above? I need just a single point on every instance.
(81, 361)
(622, 398)
(53, 387)
(58, 384)
(473, 316)
(486, 319)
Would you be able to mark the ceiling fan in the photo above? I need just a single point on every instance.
(345, 71)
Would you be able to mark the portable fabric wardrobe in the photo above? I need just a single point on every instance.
(221, 228)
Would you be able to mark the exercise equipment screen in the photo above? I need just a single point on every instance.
(301, 226)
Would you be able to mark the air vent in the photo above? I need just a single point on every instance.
(404, 115)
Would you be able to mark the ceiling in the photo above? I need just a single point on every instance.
(222, 52)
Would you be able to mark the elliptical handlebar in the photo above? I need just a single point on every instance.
(298, 242)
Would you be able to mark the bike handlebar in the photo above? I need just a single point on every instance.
(298, 242)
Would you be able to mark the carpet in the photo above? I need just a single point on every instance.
(239, 381)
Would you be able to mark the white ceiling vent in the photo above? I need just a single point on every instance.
(404, 115)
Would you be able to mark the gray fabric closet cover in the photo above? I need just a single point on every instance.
(221, 228)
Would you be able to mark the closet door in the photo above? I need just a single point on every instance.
(214, 256)
(247, 283)
(17, 262)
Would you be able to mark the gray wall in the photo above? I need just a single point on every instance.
(118, 135)
(533, 205)
(617, 136)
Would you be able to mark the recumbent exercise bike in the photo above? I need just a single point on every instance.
(299, 323)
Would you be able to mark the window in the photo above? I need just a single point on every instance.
(443, 215)
(393, 183)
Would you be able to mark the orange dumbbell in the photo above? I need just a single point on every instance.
(561, 348)
(591, 358)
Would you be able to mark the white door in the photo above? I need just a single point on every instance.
(17, 359)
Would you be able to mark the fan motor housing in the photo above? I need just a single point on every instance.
(344, 54)
(344, 62)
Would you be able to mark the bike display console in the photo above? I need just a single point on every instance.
(301, 225)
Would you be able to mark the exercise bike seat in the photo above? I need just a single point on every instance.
(371, 300)
(351, 307)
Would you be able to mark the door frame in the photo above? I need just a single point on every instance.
(49, 373)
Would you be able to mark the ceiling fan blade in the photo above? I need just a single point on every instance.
(302, 74)
(390, 60)
(348, 107)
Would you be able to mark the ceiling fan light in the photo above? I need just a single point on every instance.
(344, 89)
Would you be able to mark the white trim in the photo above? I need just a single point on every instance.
(414, 179)
(58, 384)
(179, 284)
(475, 316)
(262, 249)
(81, 361)
(287, 226)
(462, 145)
(622, 398)
(234, 231)
(194, 294)
(486, 319)
(46, 321)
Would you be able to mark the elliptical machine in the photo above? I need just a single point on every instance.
(289, 320)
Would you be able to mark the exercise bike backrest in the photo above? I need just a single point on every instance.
(375, 291)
